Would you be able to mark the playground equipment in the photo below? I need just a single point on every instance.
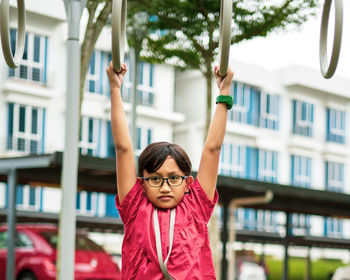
(329, 70)
(225, 35)
(118, 33)
(11, 61)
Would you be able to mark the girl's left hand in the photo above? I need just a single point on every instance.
(224, 82)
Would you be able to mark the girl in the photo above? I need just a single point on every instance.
(164, 210)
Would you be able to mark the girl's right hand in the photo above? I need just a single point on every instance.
(115, 79)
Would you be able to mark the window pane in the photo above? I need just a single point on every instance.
(91, 130)
(25, 54)
(21, 144)
(33, 147)
(88, 201)
(36, 74)
(13, 34)
(22, 119)
(36, 48)
(35, 121)
(19, 195)
(3, 240)
(32, 196)
(23, 72)
(92, 63)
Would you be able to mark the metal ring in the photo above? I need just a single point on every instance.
(118, 33)
(225, 35)
(11, 61)
(329, 70)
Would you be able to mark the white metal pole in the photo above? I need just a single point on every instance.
(66, 242)
(240, 202)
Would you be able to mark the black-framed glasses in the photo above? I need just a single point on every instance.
(157, 182)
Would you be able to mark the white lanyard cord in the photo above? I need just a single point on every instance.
(163, 265)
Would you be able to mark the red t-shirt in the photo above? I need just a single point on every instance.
(190, 257)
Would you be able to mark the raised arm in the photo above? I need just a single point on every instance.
(208, 167)
(125, 162)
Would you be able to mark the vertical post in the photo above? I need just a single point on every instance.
(11, 222)
(286, 245)
(224, 235)
(232, 240)
(308, 264)
(133, 99)
(66, 242)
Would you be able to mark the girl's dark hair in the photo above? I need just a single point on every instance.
(152, 158)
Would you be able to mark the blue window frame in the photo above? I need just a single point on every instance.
(145, 86)
(232, 160)
(335, 176)
(90, 136)
(111, 210)
(300, 224)
(303, 118)
(268, 162)
(246, 100)
(34, 62)
(87, 203)
(336, 126)
(143, 138)
(28, 198)
(269, 117)
(301, 171)
(26, 127)
(334, 227)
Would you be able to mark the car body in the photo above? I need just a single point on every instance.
(342, 273)
(36, 255)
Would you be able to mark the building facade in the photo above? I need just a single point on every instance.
(32, 103)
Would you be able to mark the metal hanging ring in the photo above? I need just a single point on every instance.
(11, 61)
(118, 33)
(225, 35)
(329, 70)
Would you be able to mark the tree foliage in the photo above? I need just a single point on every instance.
(187, 31)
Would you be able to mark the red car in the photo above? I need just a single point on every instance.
(36, 255)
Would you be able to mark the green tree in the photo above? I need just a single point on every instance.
(191, 29)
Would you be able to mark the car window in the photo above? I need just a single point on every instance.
(21, 240)
(82, 243)
(3, 239)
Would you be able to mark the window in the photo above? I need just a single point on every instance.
(335, 176)
(336, 126)
(21, 240)
(269, 117)
(303, 118)
(333, 227)
(25, 128)
(300, 224)
(301, 171)
(34, 62)
(87, 203)
(144, 138)
(268, 162)
(232, 160)
(145, 87)
(89, 136)
(246, 105)
(28, 198)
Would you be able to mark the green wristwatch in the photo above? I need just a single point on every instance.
(225, 99)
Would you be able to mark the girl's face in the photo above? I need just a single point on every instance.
(166, 196)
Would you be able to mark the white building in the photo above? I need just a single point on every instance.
(288, 125)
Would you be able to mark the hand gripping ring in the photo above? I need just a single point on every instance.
(118, 33)
(329, 70)
(11, 61)
(225, 35)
